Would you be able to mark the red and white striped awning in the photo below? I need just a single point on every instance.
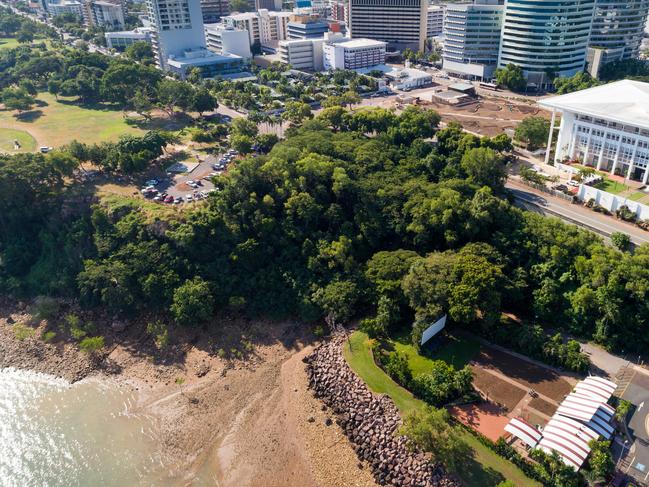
(524, 431)
(584, 415)
(597, 387)
(569, 439)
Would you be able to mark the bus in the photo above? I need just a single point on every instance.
(489, 86)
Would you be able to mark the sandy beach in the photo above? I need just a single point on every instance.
(230, 411)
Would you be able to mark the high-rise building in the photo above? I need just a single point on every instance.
(435, 20)
(353, 53)
(262, 26)
(306, 27)
(618, 27)
(546, 38)
(213, 10)
(400, 23)
(472, 38)
(223, 39)
(178, 26)
(268, 5)
(301, 54)
(104, 13)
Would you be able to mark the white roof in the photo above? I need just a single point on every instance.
(624, 101)
(524, 431)
(581, 417)
(359, 43)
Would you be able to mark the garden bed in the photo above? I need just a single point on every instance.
(497, 390)
(542, 379)
(543, 406)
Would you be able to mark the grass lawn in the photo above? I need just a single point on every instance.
(7, 137)
(638, 196)
(611, 186)
(485, 469)
(455, 351)
(8, 43)
(58, 122)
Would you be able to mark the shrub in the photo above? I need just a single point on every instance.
(92, 345)
(22, 332)
(625, 213)
(443, 384)
(48, 336)
(160, 334)
(396, 366)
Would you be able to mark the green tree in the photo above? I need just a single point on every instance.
(485, 167)
(140, 51)
(533, 131)
(193, 302)
(296, 112)
(241, 143)
(243, 126)
(203, 101)
(174, 94)
(511, 77)
(600, 460)
(17, 99)
(621, 240)
(430, 430)
(579, 81)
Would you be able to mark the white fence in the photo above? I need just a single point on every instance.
(612, 202)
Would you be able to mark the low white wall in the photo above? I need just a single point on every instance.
(612, 202)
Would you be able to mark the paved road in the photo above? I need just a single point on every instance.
(551, 205)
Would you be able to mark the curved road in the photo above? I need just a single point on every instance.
(546, 204)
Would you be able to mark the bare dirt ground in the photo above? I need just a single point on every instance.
(232, 407)
(497, 390)
(542, 379)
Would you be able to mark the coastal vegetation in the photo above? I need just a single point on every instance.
(368, 221)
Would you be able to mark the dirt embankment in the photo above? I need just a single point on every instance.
(230, 411)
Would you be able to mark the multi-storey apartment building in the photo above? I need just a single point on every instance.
(399, 23)
(262, 26)
(223, 39)
(213, 10)
(618, 28)
(435, 20)
(353, 54)
(104, 13)
(472, 38)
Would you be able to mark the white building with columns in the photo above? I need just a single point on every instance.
(606, 127)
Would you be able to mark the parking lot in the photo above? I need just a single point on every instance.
(637, 393)
(187, 187)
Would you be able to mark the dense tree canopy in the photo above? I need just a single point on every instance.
(364, 219)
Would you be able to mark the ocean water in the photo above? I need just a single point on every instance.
(53, 433)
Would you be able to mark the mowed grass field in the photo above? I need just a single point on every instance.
(58, 122)
(8, 43)
(8, 136)
(485, 469)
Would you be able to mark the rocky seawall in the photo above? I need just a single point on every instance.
(369, 421)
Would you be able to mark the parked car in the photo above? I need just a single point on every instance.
(169, 199)
(152, 182)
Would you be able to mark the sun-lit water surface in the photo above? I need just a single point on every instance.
(53, 433)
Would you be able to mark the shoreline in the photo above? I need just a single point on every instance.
(245, 420)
